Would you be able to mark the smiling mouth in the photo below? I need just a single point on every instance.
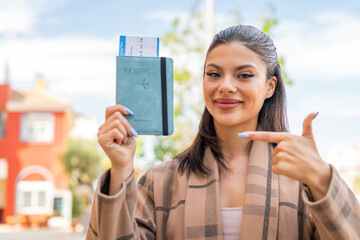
(227, 103)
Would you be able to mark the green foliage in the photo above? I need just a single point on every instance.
(286, 78)
(180, 37)
(183, 39)
(356, 185)
(173, 36)
(182, 76)
(82, 163)
(269, 20)
(139, 147)
(269, 23)
(77, 205)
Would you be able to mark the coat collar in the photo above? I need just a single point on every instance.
(260, 212)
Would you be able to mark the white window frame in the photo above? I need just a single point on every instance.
(34, 187)
(43, 125)
(66, 206)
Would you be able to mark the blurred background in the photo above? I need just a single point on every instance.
(57, 76)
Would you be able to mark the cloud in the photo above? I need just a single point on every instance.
(21, 16)
(336, 107)
(326, 47)
(15, 18)
(345, 154)
(71, 65)
(323, 46)
(75, 67)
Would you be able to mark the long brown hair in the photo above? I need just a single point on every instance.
(272, 116)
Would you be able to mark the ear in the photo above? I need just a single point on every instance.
(271, 85)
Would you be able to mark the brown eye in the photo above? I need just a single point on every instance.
(213, 74)
(245, 75)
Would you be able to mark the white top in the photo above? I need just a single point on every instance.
(231, 219)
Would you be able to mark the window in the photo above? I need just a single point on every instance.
(26, 199)
(34, 197)
(37, 127)
(41, 199)
(2, 123)
(58, 203)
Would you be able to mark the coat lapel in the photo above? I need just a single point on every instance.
(202, 208)
(260, 212)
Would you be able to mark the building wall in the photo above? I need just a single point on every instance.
(5, 92)
(20, 155)
(8, 147)
(2, 191)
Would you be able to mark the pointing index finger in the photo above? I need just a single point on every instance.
(271, 137)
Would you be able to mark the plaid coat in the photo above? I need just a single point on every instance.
(167, 205)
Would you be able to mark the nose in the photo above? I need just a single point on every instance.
(227, 85)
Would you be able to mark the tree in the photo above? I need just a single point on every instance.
(356, 185)
(186, 43)
(82, 162)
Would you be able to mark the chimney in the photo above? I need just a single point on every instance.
(40, 84)
(5, 90)
(7, 74)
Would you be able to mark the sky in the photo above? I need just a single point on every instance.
(73, 44)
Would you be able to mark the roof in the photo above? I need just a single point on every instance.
(35, 100)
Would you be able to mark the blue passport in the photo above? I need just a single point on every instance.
(145, 85)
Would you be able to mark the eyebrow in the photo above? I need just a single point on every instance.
(236, 69)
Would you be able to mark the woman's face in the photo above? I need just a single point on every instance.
(235, 84)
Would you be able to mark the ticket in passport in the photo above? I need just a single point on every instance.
(139, 46)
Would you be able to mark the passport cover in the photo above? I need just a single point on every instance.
(139, 87)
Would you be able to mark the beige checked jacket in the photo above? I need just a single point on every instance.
(167, 205)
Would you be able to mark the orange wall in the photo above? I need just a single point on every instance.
(20, 155)
(5, 92)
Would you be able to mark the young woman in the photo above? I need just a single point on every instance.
(244, 176)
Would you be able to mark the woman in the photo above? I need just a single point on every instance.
(243, 176)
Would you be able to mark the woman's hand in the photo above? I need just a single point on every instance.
(116, 137)
(297, 157)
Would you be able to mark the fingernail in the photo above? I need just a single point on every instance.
(243, 135)
(127, 141)
(129, 111)
(134, 133)
(315, 115)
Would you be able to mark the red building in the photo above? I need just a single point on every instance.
(33, 133)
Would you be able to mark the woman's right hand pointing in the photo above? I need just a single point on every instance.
(117, 138)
